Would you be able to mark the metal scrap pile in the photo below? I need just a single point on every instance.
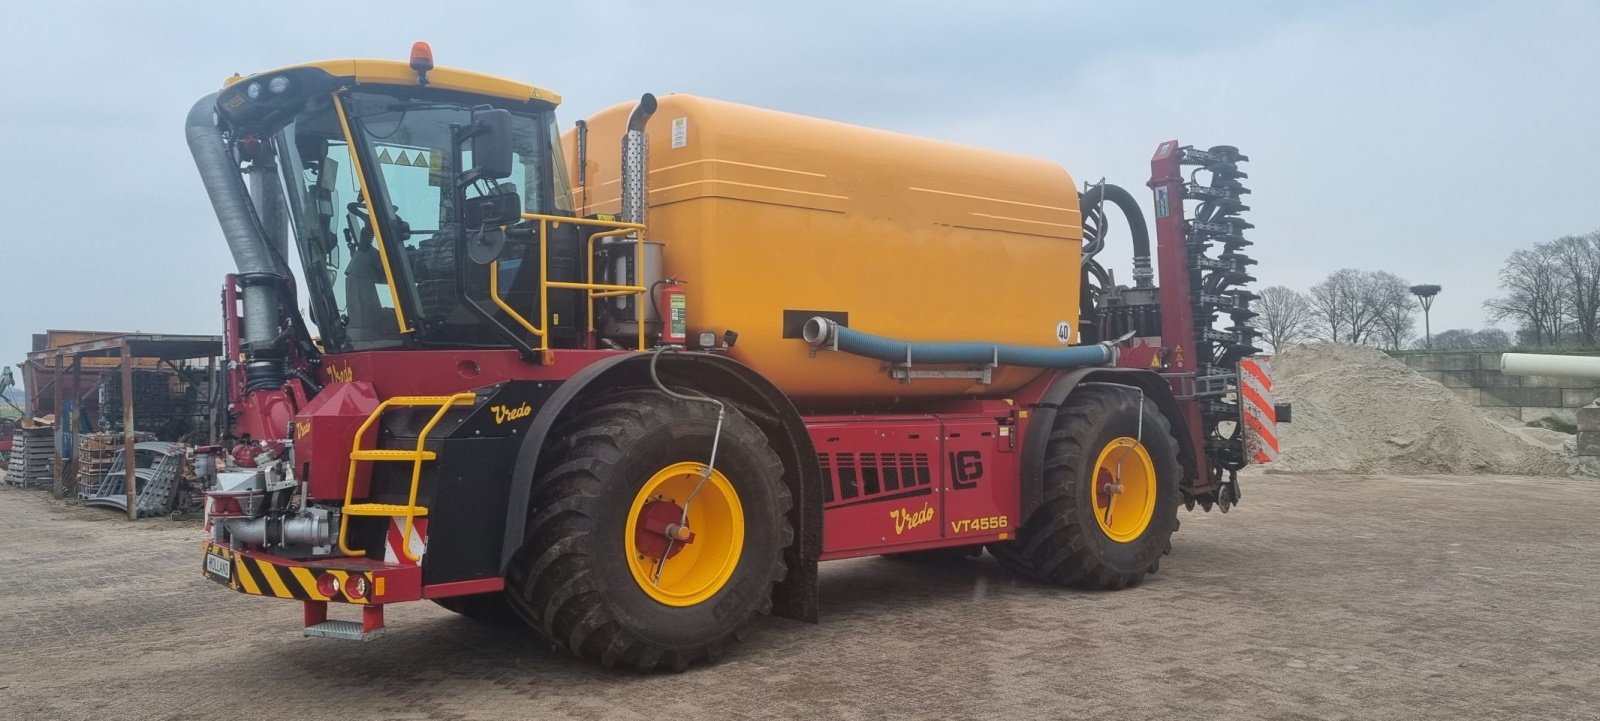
(96, 454)
(33, 454)
(165, 481)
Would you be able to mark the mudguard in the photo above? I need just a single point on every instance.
(1155, 388)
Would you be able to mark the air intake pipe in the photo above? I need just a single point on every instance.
(635, 162)
(824, 333)
(259, 273)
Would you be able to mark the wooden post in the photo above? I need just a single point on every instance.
(55, 432)
(72, 423)
(130, 463)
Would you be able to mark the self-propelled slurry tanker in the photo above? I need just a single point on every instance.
(630, 383)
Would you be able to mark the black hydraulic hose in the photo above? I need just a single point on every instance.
(1142, 273)
(311, 384)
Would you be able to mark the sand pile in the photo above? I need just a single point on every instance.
(1356, 410)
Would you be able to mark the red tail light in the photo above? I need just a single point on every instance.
(327, 585)
(357, 587)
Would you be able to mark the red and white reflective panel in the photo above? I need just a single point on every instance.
(1260, 418)
(392, 544)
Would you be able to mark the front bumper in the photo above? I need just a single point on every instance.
(262, 574)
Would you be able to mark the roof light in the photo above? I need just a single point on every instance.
(421, 57)
(278, 85)
(253, 90)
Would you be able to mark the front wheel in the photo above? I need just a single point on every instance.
(634, 555)
(1110, 496)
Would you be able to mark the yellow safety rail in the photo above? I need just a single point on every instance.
(410, 511)
(594, 290)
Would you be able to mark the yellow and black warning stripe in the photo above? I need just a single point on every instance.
(258, 577)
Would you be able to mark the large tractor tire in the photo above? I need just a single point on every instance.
(598, 574)
(1110, 497)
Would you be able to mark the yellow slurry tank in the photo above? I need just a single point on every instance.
(770, 218)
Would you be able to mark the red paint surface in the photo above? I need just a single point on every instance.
(464, 588)
(1177, 309)
(906, 482)
(325, 432)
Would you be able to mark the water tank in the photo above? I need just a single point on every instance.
(771, 218)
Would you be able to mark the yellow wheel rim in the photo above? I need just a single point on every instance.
(1123, 492)
(684, 572)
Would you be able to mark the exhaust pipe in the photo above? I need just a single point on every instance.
(635, 162)
(259, 273)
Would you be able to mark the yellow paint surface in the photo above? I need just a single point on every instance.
(916, 239)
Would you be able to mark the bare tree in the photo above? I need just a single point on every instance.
(1491, 339)
(1285, 316)
(1453, 339)
(1359, 306)
(1577, 259)
(1396, 315)
(1468, 339)
(1335, 306)
(1537, 298)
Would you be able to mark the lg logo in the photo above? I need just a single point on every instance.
(966, 469)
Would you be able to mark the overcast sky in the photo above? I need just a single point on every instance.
(1429, 139)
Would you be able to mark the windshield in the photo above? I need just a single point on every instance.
(355, 283)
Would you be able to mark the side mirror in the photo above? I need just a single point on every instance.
(491, 144)
(484, 218)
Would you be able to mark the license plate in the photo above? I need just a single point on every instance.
(219, 566)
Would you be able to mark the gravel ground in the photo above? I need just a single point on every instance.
(1323, 597)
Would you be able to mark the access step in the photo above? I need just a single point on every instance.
(346, 630)
(319, 626)
(390, 455)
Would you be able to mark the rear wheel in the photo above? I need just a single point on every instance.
(615, 569)
(1110, 496)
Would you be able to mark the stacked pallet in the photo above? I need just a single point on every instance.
(95, 455)
(33, 457)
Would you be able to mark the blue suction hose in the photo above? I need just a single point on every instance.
(824, 333)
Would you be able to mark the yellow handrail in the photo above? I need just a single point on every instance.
(593, 290)
(416, 457)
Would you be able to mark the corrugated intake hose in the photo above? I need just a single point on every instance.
(824, 333)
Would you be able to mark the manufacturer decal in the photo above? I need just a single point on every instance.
(1063, 332)
(1161, 203)
(503, 413)
(986, 523)
(302, 429)
(680, 132)
(905, 520)
(966, 468)
(341, 375)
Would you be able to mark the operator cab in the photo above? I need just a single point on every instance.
(398, 225)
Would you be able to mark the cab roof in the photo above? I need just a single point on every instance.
(394, 72)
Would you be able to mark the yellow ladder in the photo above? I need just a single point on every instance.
(410, 510)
